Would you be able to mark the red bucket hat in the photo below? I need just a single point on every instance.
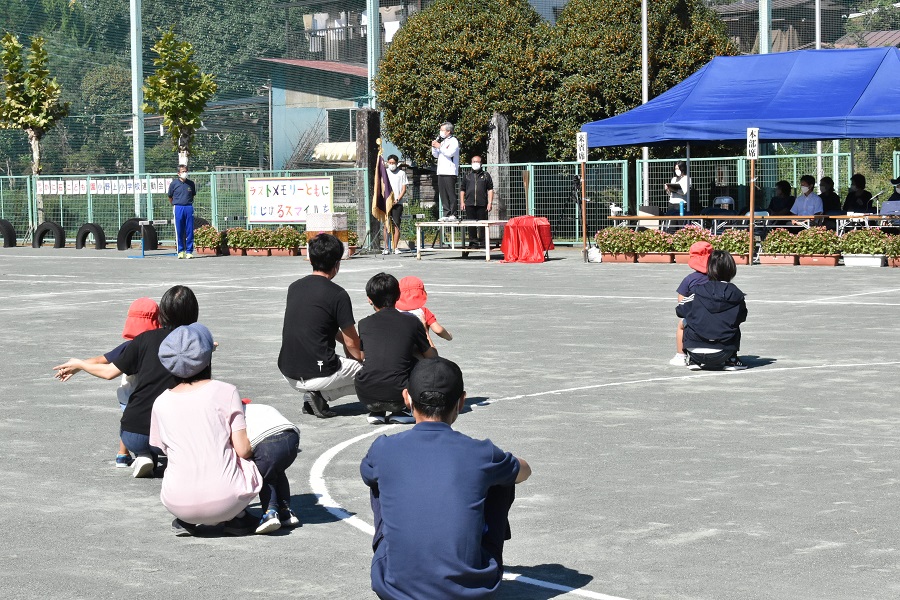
(412, 294)
(699, 256)
(143, 315)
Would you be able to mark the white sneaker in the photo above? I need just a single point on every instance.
(385, 252)
(397, 251)
(403, 417)
(452, 218)
(442, 219)
(143, 467)
(678, 360)
(376, 418)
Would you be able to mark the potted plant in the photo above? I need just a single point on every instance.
(238, 240)
(616, 244)
(892, 250)
(352, 242)
(653, 246)
(208, 240)
(778, 248)
(260, 241)
(864, 247)
(817, 246)
(684, 238)
(736, 242)
(286, 241)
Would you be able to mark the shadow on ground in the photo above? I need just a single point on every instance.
(554, 574)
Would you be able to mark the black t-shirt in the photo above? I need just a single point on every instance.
(389, 338)
(316, 309)
(141, 358)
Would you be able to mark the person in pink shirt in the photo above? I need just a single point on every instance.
(199, 424)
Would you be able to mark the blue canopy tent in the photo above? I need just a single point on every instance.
(804, 95)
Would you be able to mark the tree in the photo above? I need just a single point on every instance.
(30, 99)
(876, 15)
(178, 90)
(460, 62)
(598, 48)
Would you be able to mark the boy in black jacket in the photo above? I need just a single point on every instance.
(712, 317)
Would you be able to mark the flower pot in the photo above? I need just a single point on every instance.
(893, 261)
(681, 258)
(206, 251)
(285, 251)
(778, 259)
(655, 257)
(864, 260)
(259, 252)
(621, 257)
(741, 259)
(232, 251)
(351, 250)
(819, 260)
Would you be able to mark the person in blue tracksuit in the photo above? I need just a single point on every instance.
(181, 194)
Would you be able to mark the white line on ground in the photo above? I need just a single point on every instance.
(757, 370)
(320, 489)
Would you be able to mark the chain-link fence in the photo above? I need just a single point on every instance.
(730, 176)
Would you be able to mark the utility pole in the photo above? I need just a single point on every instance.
(137, 99)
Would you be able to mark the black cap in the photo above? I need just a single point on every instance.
(436, 375)
(895, 181)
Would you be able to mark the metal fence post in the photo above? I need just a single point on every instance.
(624, 169)
(896, 170)
(214, 200)
(529, 192)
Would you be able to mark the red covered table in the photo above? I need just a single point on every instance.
(527, 239)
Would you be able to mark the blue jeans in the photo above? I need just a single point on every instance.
(273, 456)
(184, 228)
(139, 445)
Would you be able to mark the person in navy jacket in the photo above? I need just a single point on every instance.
(181, 194)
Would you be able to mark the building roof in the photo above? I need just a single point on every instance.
(323, 65)
(871, 39)
(752, 7)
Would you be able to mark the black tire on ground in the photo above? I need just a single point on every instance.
(90, 229)
(59, 236)
(128, 230)
(8, 232)
(199, 222)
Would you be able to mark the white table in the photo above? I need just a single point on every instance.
(452, 226)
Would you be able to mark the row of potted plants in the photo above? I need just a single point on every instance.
(283, 241)
(816, 245)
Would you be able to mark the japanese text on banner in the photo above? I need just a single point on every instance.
(288, 199)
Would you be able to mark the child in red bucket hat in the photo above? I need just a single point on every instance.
(697, 260)
(412, 300)
(143, 315)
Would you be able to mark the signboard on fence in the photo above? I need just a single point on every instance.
(95, 187)
(288, 200)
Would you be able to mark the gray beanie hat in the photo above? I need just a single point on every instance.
(187, 350)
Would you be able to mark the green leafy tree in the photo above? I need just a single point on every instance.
(877, 15)
(178, 90)
(31, 98)
(460, 62)
(597, 45)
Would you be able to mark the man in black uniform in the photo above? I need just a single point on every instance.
(476, 192)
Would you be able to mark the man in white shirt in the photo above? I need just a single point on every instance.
(446, 150)
(807, 202)
(397, 177)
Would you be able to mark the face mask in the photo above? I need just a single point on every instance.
(852, 188)
(476, 166)
(804, 189)
(392, 168)
(897, 189)
(678, 172)
(182, 175)
(442, 135)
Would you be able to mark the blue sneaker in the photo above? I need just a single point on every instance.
(123, 461)
(269, 523)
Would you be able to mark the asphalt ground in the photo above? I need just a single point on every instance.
(650, 481)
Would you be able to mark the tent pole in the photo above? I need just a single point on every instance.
(752, 211)
(645, 96)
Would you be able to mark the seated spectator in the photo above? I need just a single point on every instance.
(808, 202)
(317, 315)
(782, 201)
(199, 424)
(697, 259)
(896, 194)
(440, 499)
(712, 317)
(831, 202)
(391, 341)
(859, 199)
